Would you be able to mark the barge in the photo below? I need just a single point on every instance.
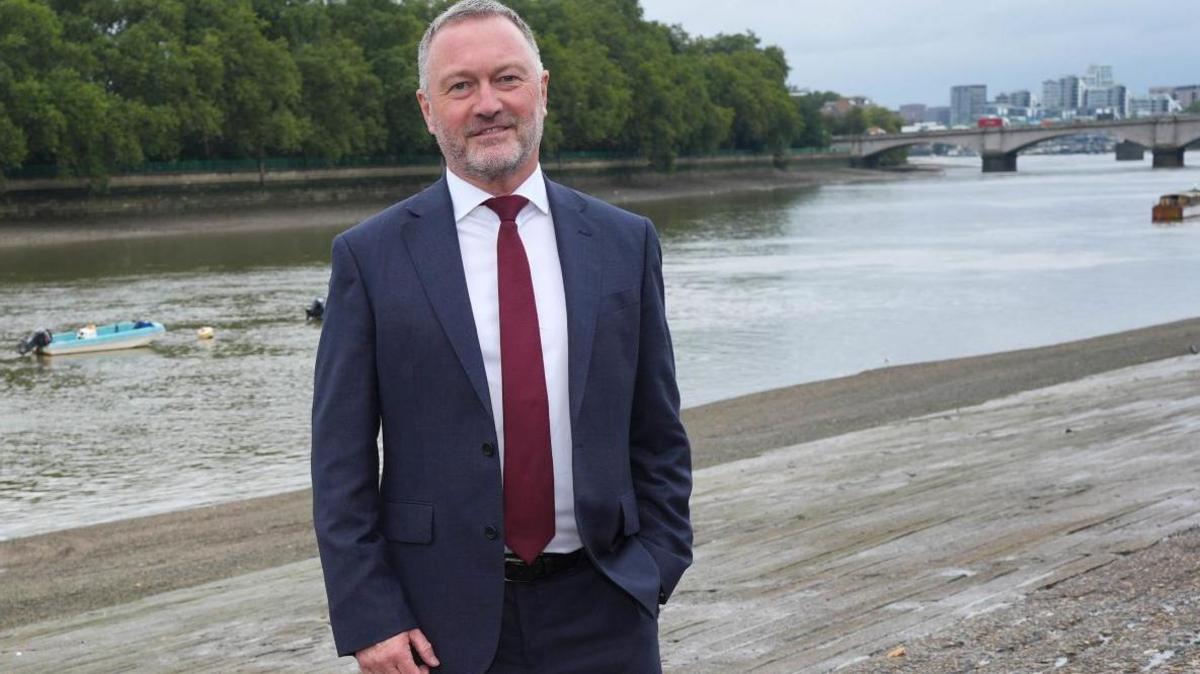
(1177, 207)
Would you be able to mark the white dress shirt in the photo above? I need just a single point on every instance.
(478, 228)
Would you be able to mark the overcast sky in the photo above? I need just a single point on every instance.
(913, 51)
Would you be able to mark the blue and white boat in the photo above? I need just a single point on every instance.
(90, 338)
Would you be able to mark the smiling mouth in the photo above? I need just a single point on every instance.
(490, 131)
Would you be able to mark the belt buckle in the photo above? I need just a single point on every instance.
(544, 565)
(517, 563)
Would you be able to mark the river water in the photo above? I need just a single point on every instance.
(764, 291)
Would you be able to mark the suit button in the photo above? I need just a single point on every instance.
(490, 532)
(488, 449)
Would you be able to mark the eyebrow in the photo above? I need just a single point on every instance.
(504, 65)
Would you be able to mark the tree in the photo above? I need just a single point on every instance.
(12, 142)
(814, 130)
(751, 82)
(91, 86)
(341, 101)
(30, 37)
(590, 96)
(261, 87)
(388, 33)
(52, 112)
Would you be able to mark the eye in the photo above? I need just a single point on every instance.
(459, 86)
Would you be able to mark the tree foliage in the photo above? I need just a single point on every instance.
(95, 86)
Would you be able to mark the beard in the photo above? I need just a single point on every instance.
(491, 162)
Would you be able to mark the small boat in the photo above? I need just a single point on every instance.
(315, 311)
(1177, 207)
(123, 335)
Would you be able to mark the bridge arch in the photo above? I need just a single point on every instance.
(1167, 137)
(912, 143)
(1113, 133)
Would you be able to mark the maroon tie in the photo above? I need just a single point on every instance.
(528, 467)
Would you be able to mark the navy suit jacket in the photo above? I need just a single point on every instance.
(422, 543)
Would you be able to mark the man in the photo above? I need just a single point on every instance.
(509, 336)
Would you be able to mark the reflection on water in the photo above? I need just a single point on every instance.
(763, 216)
(764, 290)
(212, 253)
(869, 275)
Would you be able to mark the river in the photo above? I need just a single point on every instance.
(764, 290)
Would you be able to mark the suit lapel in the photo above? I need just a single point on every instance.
(580, 262)
(433, 244)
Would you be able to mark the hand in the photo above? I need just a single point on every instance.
(396, 655)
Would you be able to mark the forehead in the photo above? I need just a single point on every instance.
(477, 44)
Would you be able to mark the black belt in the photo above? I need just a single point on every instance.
(545, 564)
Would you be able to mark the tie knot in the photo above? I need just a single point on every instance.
(507, 207)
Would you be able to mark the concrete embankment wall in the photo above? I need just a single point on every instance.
(154, 194)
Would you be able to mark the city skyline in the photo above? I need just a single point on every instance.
(915, 52)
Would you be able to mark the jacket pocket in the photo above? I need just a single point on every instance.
(407, 521)
(629, 514)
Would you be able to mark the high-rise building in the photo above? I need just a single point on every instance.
(913, 113)
(1187, 95)
(1071, 90)
(1052, 95)
(1110, 99)
(1154, 105)
(937, 114)
(967, 103)
(1021, 98)
(1016, 99)
(1098, 77)
(1063, 96)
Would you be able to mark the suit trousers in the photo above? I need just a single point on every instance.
(575, 621)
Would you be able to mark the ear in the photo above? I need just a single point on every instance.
(545, 91)
(426, 111)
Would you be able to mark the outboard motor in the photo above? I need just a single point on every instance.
(316, 310)
(41, 337)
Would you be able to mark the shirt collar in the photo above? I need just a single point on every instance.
(467, 197)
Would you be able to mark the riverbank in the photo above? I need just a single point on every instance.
(68, 572)
(1135, 612)
(829, 555)
(317, 207)
(1049, 529)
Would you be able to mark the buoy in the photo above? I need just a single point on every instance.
(205, 333)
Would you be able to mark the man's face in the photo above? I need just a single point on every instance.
(485, 99)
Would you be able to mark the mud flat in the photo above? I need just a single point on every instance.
(151, 215)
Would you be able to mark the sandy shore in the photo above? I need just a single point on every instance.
(627, 190)
(68, 572)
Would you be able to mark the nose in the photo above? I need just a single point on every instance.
(488, 102)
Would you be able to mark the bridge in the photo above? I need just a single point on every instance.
(1166, 137)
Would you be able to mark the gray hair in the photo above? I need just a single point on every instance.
(467, 9)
